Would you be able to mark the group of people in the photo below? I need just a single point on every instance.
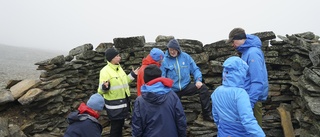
(163, 79)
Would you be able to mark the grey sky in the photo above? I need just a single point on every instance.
(65, 24)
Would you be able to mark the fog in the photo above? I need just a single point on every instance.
(65, 24)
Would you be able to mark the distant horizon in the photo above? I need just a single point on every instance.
(63, 25)
(36, 48)
(18, 63)
(65, 51)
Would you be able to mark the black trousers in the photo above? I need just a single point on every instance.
(116, 128)
(204, 94)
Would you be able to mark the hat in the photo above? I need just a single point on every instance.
(174, 44)
(236, 34)
(111, 53)
(151, 72)
(96, 102)
(156, 54)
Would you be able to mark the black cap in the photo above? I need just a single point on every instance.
(111, 53)
(151, 72)
(236, 34)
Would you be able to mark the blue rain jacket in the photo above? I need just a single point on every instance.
(179, 69)
(231, 107)
(256, 82)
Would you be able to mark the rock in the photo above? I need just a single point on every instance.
(58, 60)
(129, 42)
(5, 97)
(78, 50)
(30, 96)
(22, 87)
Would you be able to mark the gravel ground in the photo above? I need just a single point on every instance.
(17, 63)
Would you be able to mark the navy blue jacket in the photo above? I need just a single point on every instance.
(83, 125)
(158, 112)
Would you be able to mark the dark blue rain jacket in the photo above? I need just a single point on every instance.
(84, 124)
(158, 112)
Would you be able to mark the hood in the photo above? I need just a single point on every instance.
(73, 117)
(234, 72)
(148, 60)
(83, 108)
(76, 117)
(175, 45)
(155, 91)
(251, 41)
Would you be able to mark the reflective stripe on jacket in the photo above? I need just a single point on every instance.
(118, 81)
(117, 97)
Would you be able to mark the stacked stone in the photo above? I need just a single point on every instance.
(305, 80)
(294, 80)
(67, 81)
(279, 62)
(287, 62)
(64, 83)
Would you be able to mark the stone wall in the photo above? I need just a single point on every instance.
(39, 107)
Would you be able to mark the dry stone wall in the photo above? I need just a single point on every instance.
(38, 107)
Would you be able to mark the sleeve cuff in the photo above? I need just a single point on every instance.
(133, 75)
(104, 88)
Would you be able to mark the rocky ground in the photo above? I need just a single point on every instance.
(17, 63)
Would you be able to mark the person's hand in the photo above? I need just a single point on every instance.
(199, 84)
(135, 70)
(106, 83)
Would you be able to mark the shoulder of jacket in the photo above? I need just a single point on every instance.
(83, 117)
(185, 55)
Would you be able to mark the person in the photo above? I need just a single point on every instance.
(84, 122)
(256, 82)
(158, 112)
(154, 57)
(231, 108)
(113, 85)
(178, 65)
